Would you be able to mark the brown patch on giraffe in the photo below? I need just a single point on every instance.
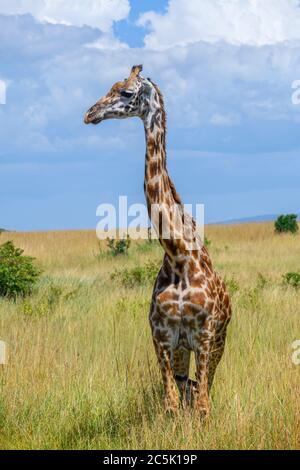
(198, 298)
(226, 300)
(211, 286)
(209, 305)
(172, 308)
(192, 268)
(166, 184)
(150, 147)
(153, 192)
(167, 296)
(191, 309)
(207, 269)
(181, 246)
(197, 281)
(154, 168)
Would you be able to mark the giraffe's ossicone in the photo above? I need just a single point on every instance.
(190, 308)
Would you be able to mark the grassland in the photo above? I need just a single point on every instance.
(82, 371)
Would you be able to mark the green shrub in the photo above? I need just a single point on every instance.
(18, 274)
(207, 242)
(286, 223)
(232, 286)
(119, 247)
(140, 275)
(292, 279)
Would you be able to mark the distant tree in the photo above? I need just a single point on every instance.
(286, 223)
(18, 273)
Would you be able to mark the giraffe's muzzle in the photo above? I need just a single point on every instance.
(95, 114)
(91, 118)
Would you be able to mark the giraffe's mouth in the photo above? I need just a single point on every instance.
(96, 121)
(90, 119)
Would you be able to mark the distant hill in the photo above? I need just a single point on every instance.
(247, 220)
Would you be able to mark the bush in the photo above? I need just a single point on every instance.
(286, 223)
(119, 247)
(207, 242)
(292, 279)
(18, 274)
(140, 275)
(232, 286)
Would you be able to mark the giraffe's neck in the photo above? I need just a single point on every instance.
(164, 205)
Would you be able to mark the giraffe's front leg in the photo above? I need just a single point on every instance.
(164, 356)
(201, 402)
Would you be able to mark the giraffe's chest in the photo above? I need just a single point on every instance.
(181, 313)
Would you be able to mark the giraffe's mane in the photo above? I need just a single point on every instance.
(162, 104)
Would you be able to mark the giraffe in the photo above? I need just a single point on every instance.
(190, 308)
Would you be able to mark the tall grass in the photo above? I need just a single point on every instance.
(82, 371)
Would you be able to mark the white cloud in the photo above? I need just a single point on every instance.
(253, 22)
(2, 92)
(225, 120)
(96, 13)
(213, 92)
(107, 41)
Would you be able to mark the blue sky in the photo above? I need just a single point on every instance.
(226, 69)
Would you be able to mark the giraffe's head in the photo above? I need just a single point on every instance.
(129, 98)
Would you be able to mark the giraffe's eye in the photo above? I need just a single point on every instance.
(126, 93)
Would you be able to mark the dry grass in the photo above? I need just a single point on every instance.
(82, 371)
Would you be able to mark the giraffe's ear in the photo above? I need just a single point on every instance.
(136, 70)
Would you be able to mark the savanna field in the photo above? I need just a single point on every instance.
(82, 373)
